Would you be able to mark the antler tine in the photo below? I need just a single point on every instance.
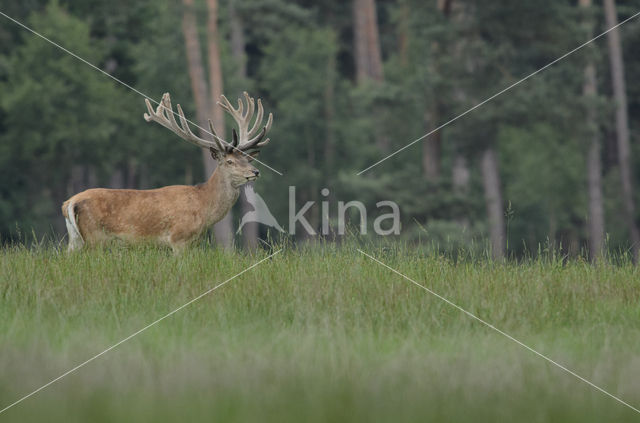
(256, 142)
(149, 116)
(258, 120)
(226, 105)
(238, 110)
(164, 115)
(246, 138)
(219, 142)
(264, 130)
(234, 138)
(158, 115)
(267, 127)
(184, 130)
(187, 135)
(250, 107)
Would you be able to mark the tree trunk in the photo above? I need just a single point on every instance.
(594, 173)
(188, 174)
(116, 181)
(403, 34)
(223, 229)
(360, 41)
(368, 56)
(215, 68)
(330, 134)
(250, 230)
(92, 178)
(594, 166)
(197, 77)
(460, 174)
(237, 39)
(432, 147)
(329, 114)
(373, 41)
(132, 174)
(622, 123)
(493, 200)
(444, 6)
(76, 180)
(143, 182)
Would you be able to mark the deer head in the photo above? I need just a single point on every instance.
(234, 158)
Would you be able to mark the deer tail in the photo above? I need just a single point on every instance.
(69, 212)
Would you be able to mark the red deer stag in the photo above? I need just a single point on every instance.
(174, 215)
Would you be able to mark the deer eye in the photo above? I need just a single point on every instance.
(229, 161)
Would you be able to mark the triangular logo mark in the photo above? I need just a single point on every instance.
(260, 212)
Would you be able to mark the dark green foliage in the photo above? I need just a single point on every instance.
(57, 113)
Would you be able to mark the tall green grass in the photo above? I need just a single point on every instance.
(318, 333)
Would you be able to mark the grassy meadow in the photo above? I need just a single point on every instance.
(318, 333)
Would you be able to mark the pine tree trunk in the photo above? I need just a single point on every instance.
(360, 41)
(403, 33)
(329, 115)
(237, 39)
(444, 6)
(132, 174)
(250, 230)
(215, 69)
(373, 41)
(197, 76)
(622, 123)
(330, 134)
(116, 181)
(76, 180)
(493, 200)
(432, 147)
(594, 174)
(92, 177)
(368, 56)
(594, 166)
(460, 174)
(223, 229)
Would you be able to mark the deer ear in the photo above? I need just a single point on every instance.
(214, 153)
(252, 155)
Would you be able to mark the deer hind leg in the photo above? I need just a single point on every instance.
(178, 248)
(180, 241)
(75, 238)
(179, 245)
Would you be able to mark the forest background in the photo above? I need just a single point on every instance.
(550, 164)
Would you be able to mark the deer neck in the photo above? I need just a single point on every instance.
(219, 195)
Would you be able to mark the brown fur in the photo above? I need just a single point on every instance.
(173, 215)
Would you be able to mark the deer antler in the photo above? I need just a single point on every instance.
(247, 139)
(244, 140)
(164, 115)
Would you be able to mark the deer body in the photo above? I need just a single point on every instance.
(173, 215)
